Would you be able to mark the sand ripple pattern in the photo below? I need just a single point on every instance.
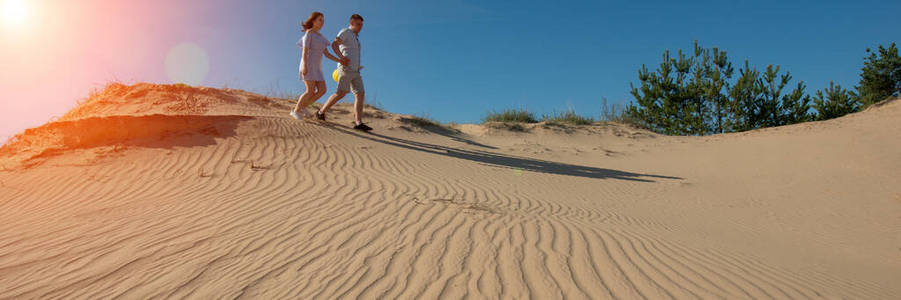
(289, 210)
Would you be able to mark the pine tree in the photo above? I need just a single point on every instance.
(835, 102)
(719, 74)
(777, 109)
(746, 98)
(659, 98)
(693, 94)
(880, 77)
(772, 84)
(796, 106)
(685, 94)
(651, 95)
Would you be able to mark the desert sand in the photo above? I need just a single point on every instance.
(171, 191)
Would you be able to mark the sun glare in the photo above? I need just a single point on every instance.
(15, 12)
(187, 63)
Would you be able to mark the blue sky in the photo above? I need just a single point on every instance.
(455, 60)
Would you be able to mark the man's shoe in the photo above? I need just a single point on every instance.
(362, 127)
(320, 116)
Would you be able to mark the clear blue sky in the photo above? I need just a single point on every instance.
(455, 60)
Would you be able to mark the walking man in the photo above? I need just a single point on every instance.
(347, 45)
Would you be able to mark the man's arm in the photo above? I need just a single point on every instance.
(335, 45)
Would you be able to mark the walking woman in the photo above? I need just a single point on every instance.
(314, 46)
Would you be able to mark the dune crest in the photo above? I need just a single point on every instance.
(169, 191)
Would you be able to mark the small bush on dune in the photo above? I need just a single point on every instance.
(619, 114)
(178, 88)
(422, 121)
(567, 117)
(375, 104)
(96, 95)
(277, 92)
(516, 127)
(510, 115)
(511, 126)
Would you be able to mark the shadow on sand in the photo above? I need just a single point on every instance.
(149, 131)
(501, 160)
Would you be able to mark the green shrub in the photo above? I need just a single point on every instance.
(834, 102)
(421, 121)
(568, 117)
(619, 114)
(880, 77)
(510, 115)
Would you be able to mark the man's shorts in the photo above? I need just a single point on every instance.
(350, 81)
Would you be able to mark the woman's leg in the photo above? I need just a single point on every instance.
(320, 90)
(308, 93)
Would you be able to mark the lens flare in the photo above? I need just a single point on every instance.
(187, 63)
(14, 12)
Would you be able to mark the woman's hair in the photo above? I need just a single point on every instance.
(308, 24)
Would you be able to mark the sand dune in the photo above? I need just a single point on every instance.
(160, 191)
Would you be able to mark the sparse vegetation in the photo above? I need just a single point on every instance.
(610, 112)
(512, 126)
(275, 91)
(5, 148)
(618, 114)
(567, 117)
(427, 123)
(422, 121)
(250, 163)
(203, 173)
(510, 116)
(113, 89)
(375, 104)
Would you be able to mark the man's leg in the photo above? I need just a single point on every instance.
(356, 86)
(334, 98)
(340, 92)
(358, 107)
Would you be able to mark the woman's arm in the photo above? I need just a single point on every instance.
(304, 60)
(334, 58)
(305, 45)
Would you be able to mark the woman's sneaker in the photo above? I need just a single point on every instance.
(297, 116)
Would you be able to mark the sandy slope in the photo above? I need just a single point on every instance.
(166, 191)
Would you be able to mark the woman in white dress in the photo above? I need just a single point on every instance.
(314, 46)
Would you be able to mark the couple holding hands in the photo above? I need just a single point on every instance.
(347, 53)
